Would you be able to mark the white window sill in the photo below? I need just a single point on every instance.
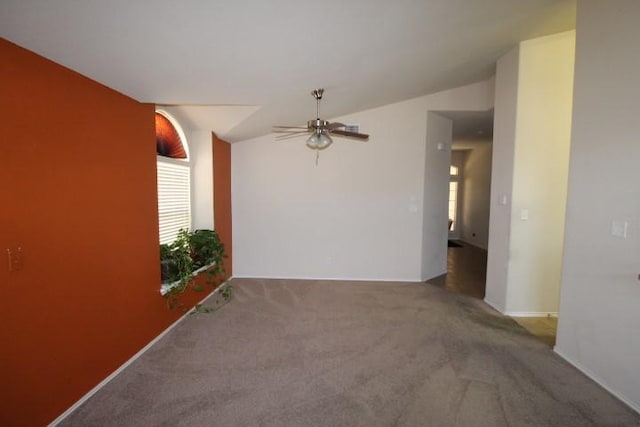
(166, 287)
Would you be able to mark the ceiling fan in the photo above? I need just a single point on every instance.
(320, 129)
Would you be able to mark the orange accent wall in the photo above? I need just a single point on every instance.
(78, 191)
(222, 196)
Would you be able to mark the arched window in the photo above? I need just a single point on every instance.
(174, 177)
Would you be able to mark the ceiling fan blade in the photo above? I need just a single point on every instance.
(284, 132)
(289, 135)
(348, 134)
(289, 127)
(335, 125)
(289, 130)
(284, 138)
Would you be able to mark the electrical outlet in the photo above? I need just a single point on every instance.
(16, 261)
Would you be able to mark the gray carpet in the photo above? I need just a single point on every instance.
(321, 353)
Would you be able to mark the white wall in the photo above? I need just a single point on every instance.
(435, 199)
(201, 145)
(504, 134)
(359, 213)
(530, 247)
(600, 300)
(476, 182)
(543, 135)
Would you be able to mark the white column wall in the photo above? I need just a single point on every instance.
(435, 211)
(504, 136)
(530, 166)
(201, 145)
(541, 163)
(600, 293)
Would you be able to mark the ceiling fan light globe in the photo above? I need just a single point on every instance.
(323, 141)
(313, 141)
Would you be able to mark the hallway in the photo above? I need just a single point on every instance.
(466, 271)
(466, 274)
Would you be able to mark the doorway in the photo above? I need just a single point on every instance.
(468, 203)
(469, 206)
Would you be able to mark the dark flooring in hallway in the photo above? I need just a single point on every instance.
(466, 271)
(467, 274)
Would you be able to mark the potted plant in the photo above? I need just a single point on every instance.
(176, 264)
(181, 261)
(206, 248)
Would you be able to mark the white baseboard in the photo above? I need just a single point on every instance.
(496, 307)
(532, 313)
(603, 384)
(115, 373)
(521, 313)
(345, 279)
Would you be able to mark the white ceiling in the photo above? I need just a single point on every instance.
(256, 61)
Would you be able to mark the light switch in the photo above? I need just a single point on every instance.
(619, 228)
(524, 214)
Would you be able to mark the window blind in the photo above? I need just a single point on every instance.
(174, 199)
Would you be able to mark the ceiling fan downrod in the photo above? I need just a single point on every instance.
(319, 139)
(318, 124)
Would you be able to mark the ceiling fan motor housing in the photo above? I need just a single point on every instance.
(318, 124)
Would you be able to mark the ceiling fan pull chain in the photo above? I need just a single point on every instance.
(317, 156)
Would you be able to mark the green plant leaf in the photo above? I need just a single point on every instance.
(190, 251)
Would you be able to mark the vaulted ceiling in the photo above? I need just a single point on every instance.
(238, 67)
